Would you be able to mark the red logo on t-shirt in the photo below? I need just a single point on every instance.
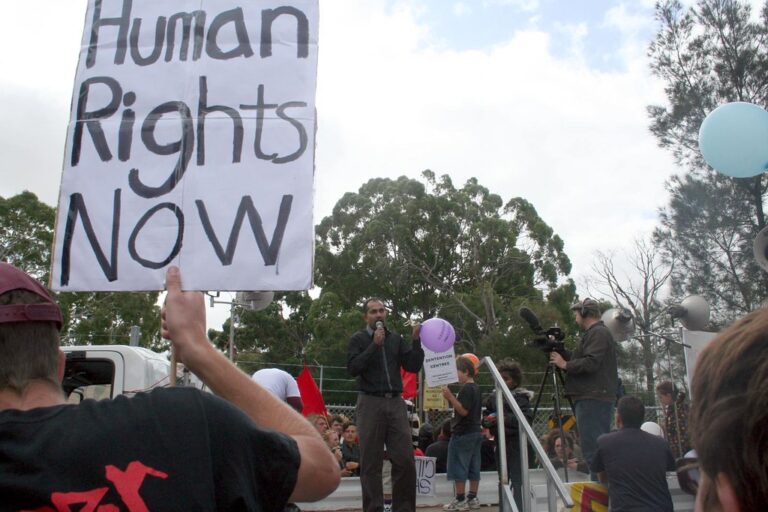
(127, 484)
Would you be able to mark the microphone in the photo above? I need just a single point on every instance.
(379, 325)
(531, 319)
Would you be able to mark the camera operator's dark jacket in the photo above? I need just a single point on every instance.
(377, 368)
(592, 369)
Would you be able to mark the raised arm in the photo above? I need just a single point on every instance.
(183, 322)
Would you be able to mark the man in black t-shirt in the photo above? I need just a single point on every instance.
(634, 463)
(171, 449)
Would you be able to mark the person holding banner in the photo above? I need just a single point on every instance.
(374, 357)
(174, 448)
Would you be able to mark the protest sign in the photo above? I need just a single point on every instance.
(190, 143)
(433, 399)
(426, 469)
(440, 367)
(696, 342)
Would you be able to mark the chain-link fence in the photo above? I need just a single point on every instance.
(542, 422)
(340, 394)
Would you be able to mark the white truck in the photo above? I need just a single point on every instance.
(106, 371)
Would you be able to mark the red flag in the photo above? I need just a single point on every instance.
(410, 387)
(310, 394)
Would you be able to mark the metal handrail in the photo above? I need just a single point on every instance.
(526, 435)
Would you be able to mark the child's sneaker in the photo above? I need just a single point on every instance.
(457, 505)
(387, 507)
(473, 503)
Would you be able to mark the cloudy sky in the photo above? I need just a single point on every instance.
(544, 99)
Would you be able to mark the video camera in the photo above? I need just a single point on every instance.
(546, 343)
(550, 340)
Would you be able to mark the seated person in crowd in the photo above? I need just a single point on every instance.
(331, 439)
(561, 456)
(337, 422)
(319, 422)
(439, 449)
(350, 451)
(426, 436)
(488, 451)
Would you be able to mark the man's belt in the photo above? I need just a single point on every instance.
(381, 394)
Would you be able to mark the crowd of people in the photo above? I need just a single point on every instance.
(248, 447)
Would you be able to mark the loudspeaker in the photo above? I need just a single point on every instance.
(760, 248)
(620, 322)
(255, 301)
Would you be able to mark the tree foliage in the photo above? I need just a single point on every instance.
(707, 55)
(428, 248)
(26, 238)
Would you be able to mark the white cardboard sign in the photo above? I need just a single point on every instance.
(426, 470)
(440, 367)
(698, 341)
(190, 143)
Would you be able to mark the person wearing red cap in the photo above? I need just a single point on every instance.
(592, 378)
(169, 449)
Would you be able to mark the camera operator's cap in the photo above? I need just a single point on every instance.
(586, 306)
(11, 278)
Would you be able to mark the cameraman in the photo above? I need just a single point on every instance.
(592, 377)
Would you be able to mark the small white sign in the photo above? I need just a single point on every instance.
(698, 341)
(426, 469)
(440, 367)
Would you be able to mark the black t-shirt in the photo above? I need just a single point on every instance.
(469, 396)
(636, 463)
(171, 449)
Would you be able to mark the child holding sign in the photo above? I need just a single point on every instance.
(464, 446)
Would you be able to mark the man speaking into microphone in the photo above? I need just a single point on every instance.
(374, 357)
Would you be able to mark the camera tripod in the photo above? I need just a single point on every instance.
(556, 374)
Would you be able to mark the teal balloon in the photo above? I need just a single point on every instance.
(733, 139)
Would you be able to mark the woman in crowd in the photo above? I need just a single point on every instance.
(561, 455)
(320, 422)
(675, 421)
(331, 438)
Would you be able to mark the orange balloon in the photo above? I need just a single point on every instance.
(472, 357)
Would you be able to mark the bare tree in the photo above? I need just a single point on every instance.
(638, 290)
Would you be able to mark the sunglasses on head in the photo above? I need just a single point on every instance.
(688, 474)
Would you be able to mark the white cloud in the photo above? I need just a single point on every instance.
(461, 9)
(523, 5)
(572, 140)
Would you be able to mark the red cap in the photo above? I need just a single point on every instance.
(11, 278)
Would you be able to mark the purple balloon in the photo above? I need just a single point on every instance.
(437, 335)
